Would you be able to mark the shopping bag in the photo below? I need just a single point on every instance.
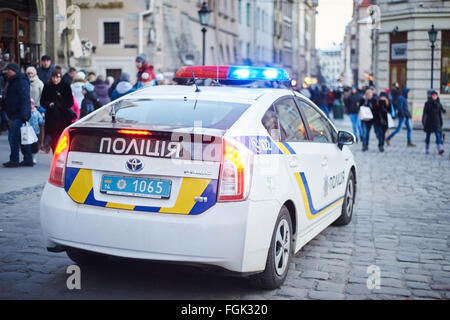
(27, 134)
(365, 114)
(391, 123)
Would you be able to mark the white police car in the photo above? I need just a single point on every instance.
(235, 177)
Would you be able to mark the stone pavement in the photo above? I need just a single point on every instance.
(401, 225)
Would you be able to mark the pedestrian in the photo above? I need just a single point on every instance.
(145, 76)
(337, 104)
(90, 101)
(36, 86)
(432, 122)
(123, 88)
(367, 101)
(70, 75)
(380, 119)
(77, 87)
(352, 104)
(323, 100)
(101, 90)
(18, 109)
(57, 99)
(403, 114)
(91, 77)
(37, 122)
(44, 72)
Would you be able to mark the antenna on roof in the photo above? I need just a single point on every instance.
(195, 82)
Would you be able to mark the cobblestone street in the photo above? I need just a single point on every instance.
(401, 225)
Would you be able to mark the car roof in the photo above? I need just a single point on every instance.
(226, 93)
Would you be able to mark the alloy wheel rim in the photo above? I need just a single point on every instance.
(349, 199)
(282, 247)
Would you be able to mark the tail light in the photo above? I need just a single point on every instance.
(235, 173)
(58, 168)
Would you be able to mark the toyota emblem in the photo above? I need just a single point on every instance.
(135, 165)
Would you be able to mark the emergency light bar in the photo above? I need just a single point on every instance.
(233, 73)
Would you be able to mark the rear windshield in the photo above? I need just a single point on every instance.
(174, 113)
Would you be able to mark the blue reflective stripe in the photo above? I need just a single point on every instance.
(71, 174)
(211, 194)
(289, 148)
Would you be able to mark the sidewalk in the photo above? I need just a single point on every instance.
(17, 179)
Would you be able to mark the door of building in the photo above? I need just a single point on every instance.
(398, 59)
(398, 73)
(15, 38)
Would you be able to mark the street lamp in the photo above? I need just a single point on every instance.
(432, 35)
(203, 14)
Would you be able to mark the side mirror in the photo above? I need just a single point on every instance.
(345, 139)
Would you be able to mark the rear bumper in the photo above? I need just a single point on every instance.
(226, 235)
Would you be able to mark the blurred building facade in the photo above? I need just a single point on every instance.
(105, 36)
(403, 49)
(331, 65)
(31, 28)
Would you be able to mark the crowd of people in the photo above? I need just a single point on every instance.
(382, 109)
(50, 101)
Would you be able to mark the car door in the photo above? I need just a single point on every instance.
(307, 174)
(325, 195)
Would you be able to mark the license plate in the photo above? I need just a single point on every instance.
(136, 187)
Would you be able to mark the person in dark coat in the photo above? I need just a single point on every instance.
(432, 122)
(368, 101)
(90, 102)
(380, 119)
(18, 109)
(57, 99)
(70, 76)
(44, 72)
(404, 116)
(352, 109)
(101, 90)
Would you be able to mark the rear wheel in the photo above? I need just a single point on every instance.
(349, 202)
(86, 258)
(279, 256)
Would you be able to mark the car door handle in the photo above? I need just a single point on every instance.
(293, 163)
(324, 162)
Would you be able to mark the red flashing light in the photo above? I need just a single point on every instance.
(203, 72)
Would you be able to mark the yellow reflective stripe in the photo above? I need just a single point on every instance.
(309, 215)
(190, 188)
(81, 186)
(283, 148)
(119, 206)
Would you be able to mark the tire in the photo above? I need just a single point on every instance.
(349, 202)
(86, 258)
(279, 255)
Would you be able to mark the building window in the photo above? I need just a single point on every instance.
(249, 15)
(445, 65)
(111, 33)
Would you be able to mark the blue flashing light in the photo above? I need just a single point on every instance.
(256, 73)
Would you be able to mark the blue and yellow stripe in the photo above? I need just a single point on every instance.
(311, 212)
(79, 186)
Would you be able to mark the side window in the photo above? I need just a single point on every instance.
(321, 130)
(270, 122)
(292, 128)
